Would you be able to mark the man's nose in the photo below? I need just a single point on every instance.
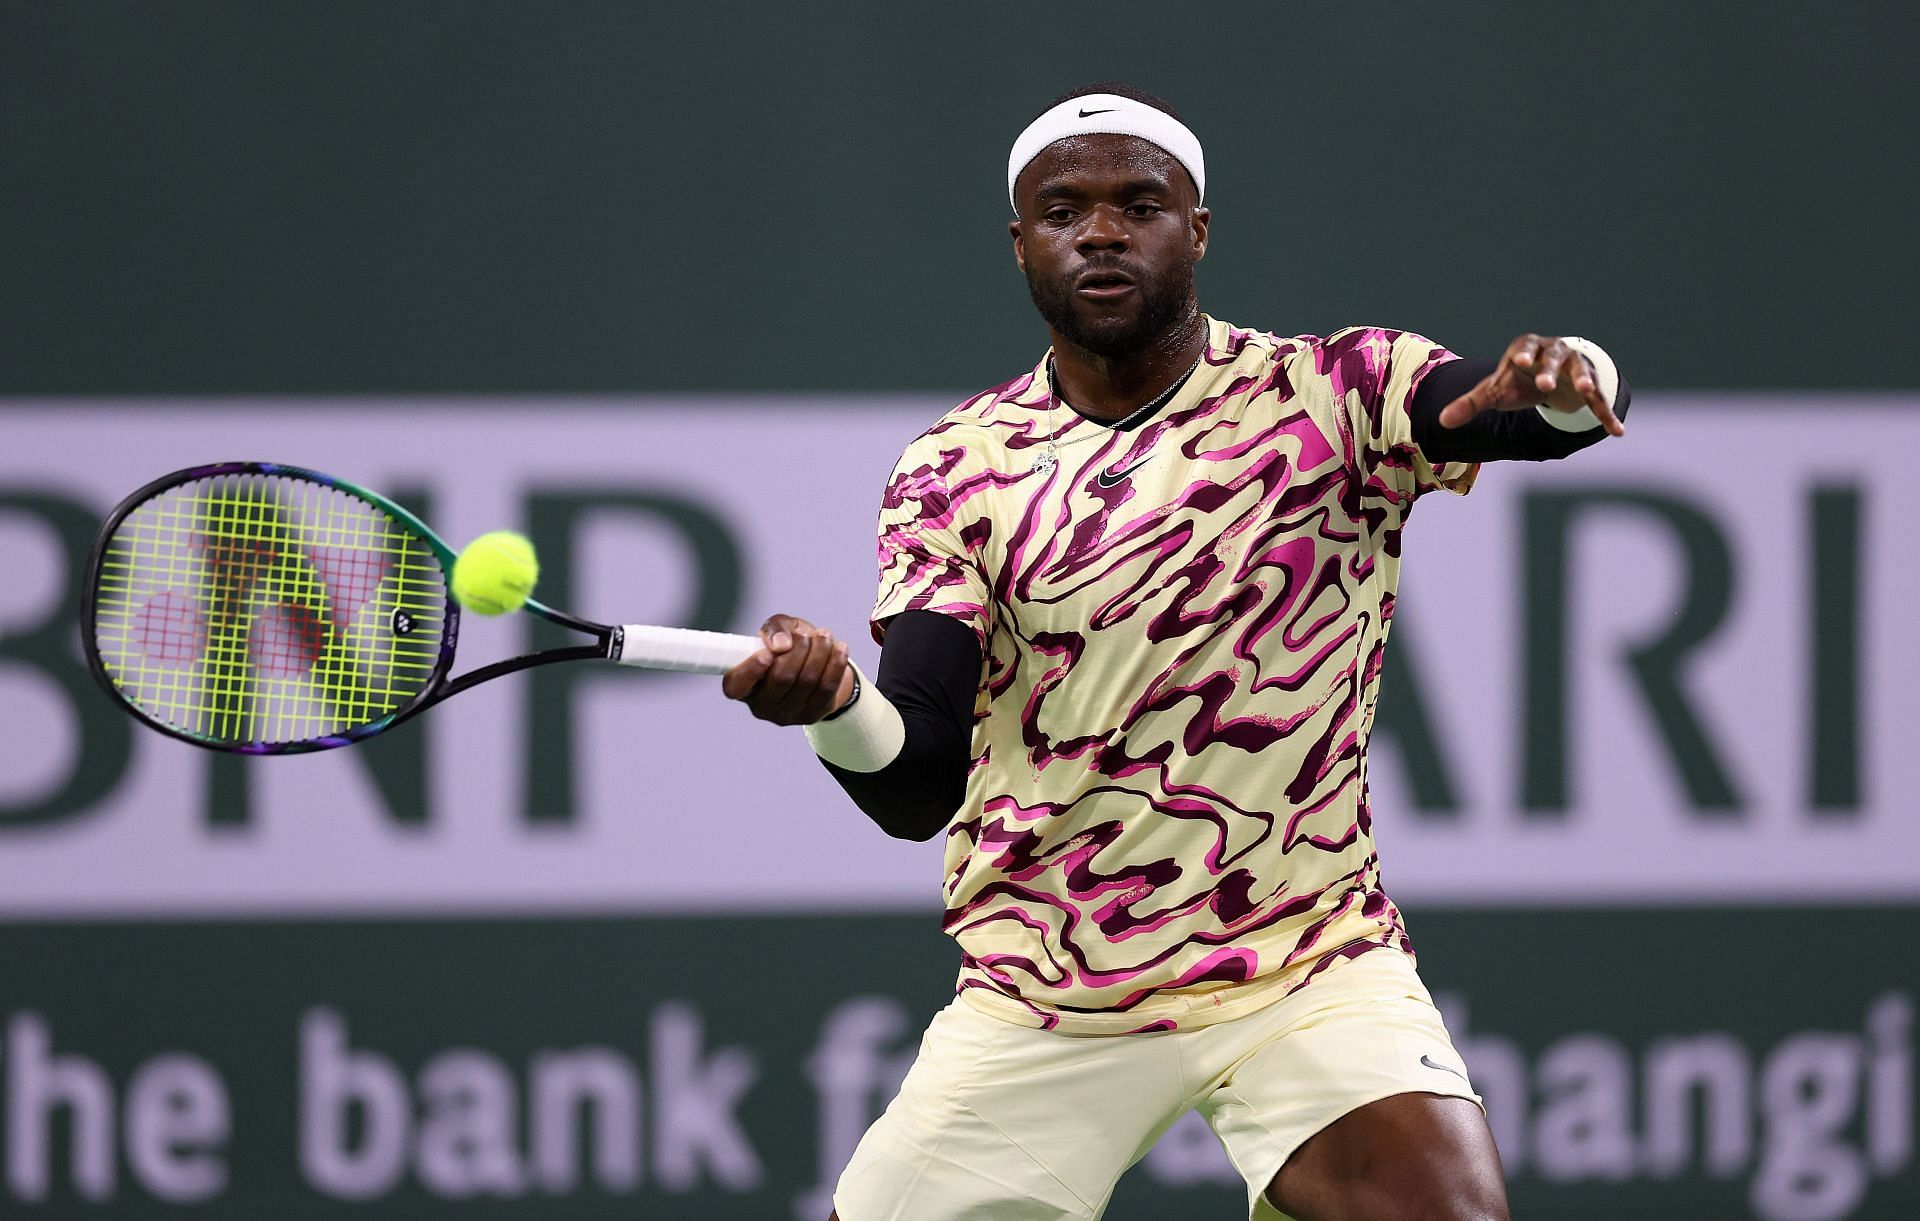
(1103, 229)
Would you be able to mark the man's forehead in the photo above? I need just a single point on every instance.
(1100, 155)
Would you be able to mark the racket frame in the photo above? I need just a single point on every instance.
(606, 647)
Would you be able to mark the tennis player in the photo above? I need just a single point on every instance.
(1133, 605)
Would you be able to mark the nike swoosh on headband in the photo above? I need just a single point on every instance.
(1107, 113)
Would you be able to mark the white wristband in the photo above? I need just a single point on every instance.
(1605, 377)
(864, 738)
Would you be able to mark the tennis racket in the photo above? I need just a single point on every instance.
(273, 610)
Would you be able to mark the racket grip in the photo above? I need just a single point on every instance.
(683, 648)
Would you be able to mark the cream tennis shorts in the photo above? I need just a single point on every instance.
(997, 1122)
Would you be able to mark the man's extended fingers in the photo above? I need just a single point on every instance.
(1484, 397)
(1534, 368)
(1523, 352)
(1547, 362)
(1589, 387)
(1460, 410)
(1614, 425)
(1579, 373)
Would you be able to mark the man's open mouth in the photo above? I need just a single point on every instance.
(1103, 285)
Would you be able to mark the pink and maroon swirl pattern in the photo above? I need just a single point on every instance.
(1183, 626)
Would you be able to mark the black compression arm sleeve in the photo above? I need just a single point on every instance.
(1492, 436)
(929, 671)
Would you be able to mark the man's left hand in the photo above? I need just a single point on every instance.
(1536, 369)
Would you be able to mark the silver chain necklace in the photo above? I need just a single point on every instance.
(1049, 457)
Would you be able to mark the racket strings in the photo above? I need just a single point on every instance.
(258, 609)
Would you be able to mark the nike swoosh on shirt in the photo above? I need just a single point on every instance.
(1087, 113)
(1112, 478)
(1443, 1068)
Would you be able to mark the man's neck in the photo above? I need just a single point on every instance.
(1114, 387)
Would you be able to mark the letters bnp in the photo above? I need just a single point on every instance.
(79, 775)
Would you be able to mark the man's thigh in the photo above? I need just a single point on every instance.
(1408, 1156)
(1366, 1039)
(1003, 1122)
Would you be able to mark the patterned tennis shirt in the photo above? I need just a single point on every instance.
(1182, 627)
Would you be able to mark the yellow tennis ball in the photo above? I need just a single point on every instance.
(495, 573)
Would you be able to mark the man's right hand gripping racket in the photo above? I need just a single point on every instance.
(270, 610)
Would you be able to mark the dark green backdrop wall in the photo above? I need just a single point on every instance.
(380, 196)
(367, 196)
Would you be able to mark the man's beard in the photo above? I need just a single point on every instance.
(1164, 301)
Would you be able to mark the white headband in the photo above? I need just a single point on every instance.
(1108, 114)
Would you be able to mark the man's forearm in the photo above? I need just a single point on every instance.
(929, 672)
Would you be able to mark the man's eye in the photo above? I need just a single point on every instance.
(1057, 216)
(1144, 209)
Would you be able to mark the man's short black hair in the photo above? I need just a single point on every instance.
(1118, 89)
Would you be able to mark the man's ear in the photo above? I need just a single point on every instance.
(1019, 246)
(1201, 219)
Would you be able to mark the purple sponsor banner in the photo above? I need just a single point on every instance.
(1698, 676)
